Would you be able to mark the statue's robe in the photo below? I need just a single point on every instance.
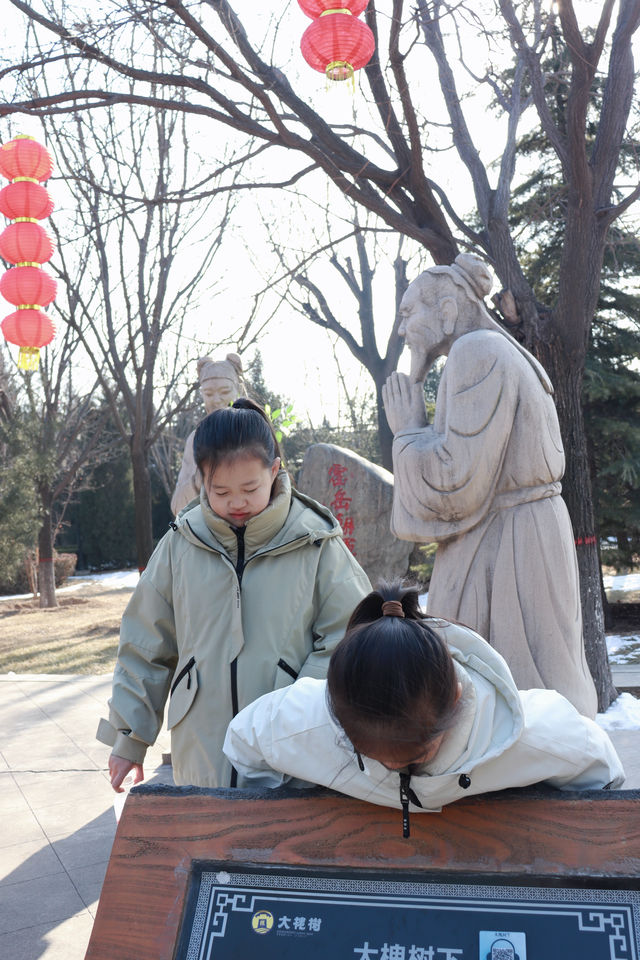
(189, 479)
(484, 482)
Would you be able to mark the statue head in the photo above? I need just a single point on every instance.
(439, 306)
(221, 381)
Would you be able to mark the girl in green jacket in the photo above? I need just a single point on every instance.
(252, 588)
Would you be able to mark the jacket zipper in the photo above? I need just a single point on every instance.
(234, 664)
(239, 569)
(287, 668)
(186, 669)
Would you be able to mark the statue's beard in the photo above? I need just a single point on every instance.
(420, 366)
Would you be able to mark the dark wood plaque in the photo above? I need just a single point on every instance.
(221, 874)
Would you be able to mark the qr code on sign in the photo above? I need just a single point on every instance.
(502, 945)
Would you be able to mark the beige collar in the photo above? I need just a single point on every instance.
(259, 530)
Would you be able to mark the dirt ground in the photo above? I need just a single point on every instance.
(93, 611)
(79, 635)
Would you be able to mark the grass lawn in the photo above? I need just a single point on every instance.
(78, 636)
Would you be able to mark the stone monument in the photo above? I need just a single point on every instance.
(221, 382)
(483, 481)
(360, 496)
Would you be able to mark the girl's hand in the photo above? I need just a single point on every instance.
(119, 767)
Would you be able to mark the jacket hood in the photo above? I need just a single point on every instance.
(306, 520)
(497, 719)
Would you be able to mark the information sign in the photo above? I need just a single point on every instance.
(279, 914)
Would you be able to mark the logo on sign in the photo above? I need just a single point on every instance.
(262, 921)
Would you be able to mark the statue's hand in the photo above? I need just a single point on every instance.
(404, 403)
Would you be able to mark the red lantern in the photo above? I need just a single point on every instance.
(319, 8)
(28, 285)
(337, 44)
(24, 198)
(30, 329)
(25, 157)
(25, 241)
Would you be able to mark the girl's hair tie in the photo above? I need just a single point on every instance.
(392, 608)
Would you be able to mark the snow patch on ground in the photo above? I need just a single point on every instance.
(115, 578)
(622, 581)
(623, 649)
(623, 714)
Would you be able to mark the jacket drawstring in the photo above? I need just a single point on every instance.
(407, 796)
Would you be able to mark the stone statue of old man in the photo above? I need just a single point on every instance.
(221, 382)
(484, 482)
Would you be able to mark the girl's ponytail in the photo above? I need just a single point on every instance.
(370, 607)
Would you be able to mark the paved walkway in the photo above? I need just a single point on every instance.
(57, 811)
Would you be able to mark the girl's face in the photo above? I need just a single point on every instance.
(399, 756)
(240, 488)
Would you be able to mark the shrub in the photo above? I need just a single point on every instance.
(25, 576)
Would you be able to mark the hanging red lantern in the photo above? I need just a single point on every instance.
(337, 44)
(29, 329)
(28, 285)
(25, 198)
(25, 157)
(25, 241)
(319, 8)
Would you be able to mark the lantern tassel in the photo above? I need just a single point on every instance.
(29, 358)
(340, 70)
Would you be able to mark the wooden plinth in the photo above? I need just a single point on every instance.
(516, 834)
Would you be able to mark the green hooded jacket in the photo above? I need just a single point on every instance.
(221, 617)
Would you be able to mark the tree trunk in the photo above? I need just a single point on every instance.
(576, 491)
(385, 436)
(46, 571)
(142, 502)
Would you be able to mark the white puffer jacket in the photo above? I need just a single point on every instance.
(503, 738)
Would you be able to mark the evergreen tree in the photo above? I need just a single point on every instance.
(100, 521)
(612, 416)
(611, 387)
(19, 516)
(100, 526)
